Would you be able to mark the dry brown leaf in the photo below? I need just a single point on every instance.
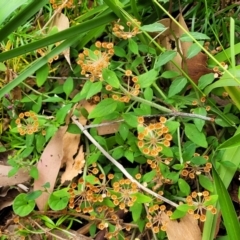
(187, 228)
(7, 200)
(196, 66)
(21, 176)
(108, 129)
(48, 166)
(88, 106)
(61, 21)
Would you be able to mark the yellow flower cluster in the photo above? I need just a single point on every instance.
(198, 202)
(27, 123)
(60, 4)
(121, 32)
(93, 62)
(153, 137)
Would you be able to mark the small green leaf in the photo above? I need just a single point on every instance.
(133, 47)
(177, 86)
(93, 158)
(42, 74)
(205, 182)
(194, 49)
(68, 86)
(34, 172)
(154, 27)
(118, 153)
(111, 78)
(128, 154)
(141, 198)
(149, 176)
(22, 206)
(94, 88)
(136, 210)
(165, 58)
(130, 119)
(148, 78)
(198, 160)
(58, 200)
(148, 94)
(33, 195)
(195, 136)
(195, 35)
(123, 130)
(199, 123)
(120, 52)
(2, 67)
(104, 108)
(205, 80)
(184, 186)
(62, 112)
(169, 74)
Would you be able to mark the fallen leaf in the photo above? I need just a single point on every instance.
(61, 21)
(88, 106)
(108, 129)
(21, 176)
(186, 228)
(48, 166)
(7, 200)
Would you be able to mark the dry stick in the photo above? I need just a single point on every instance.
(118, 165)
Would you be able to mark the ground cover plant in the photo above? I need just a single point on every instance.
(119, 119)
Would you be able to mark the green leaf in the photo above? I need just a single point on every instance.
(68, 86)
(141, 198)
(195, 35)
(34, 172)
(149, 176)
(165, 58)
(130, 119)
(177, 86)
(184, 186)
(123, 130)
(129, 155)
(2, 65)
(110, 77)
(62, 112)
(133, 47)
(169, 74)
(7, 7)
(205, 80)
(22, 206)
(195, 136)
(146, 79)
(53, 99)
(95, 88)
(231, 142)
(198, 160)
(42, 74)
(34, 195)
(199, 123)
(93, 158)
(104, 108)
(148, 94)
(180, 212)
(228, 212)
(194, 49)
(58, 200)
(118, 153)
(118, 51)
(38, 105)
(154, 27)
(136, 210)
(205, 182)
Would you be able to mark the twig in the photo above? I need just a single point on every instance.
(118, 165)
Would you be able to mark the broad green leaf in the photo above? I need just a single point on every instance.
(154, 27)
(110, 77)
(68, 86)
(104, 108)
(33, 195)
(146, 79)
(231, 142)
(123, 130)
(195, 35)
(118, 153)
(95, 88)
(130, 119)
(42, 74)
(169, 74)
(58, 200)
(194, 50)
(22, 206)
(165, 58)
(195, 136)
(136, 210)
(128, 154)
(205, 182)
(148, 94)
(184, 186)
(120, 52)
(199, 123)
(198, 160)
(141, 198)
(177, 86)
(149, 176)
(133, 47)
(205, 80)
(178, 214)
(62, 113)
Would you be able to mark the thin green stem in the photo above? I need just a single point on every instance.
(159, 90)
